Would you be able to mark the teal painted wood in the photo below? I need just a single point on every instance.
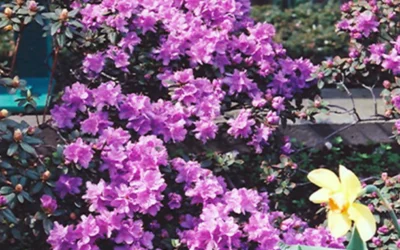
(39, 88)
(32, 65)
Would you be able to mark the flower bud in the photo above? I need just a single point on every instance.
(270, 178)
(3, 113)
(18, 188)
(46, 175)
(64, 15)
(17, 135)
(8, 12)
(8, 28)
(31, 130)
(317, 103)
(20, 2)
(15, 82)
(72, 216)
(384, 176)
(386, 84)
(32, 6)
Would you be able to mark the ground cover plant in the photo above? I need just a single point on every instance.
(137, 164)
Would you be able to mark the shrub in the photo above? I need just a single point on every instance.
(155, 76)
(307, 30)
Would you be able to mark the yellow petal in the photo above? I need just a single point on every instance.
(321, 196)
(338, 223)
(324, 178)
(364, 220)
(350, 183)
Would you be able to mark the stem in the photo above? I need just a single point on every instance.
(50, 85)
(14, 59)
(373, 189)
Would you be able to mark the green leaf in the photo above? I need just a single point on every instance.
(26, 196)
(356, 243)
(39, 20)
(16, 233)
(16, 27)
(12, 149)
(32, 174)
(20, 198)
(9, 215)
(28, 148)
(4, 23)
(5, 190)
(32, 140)
(6, 165)
(68, 33)
(36, 189)
(47, 225)
(54, 28)
(10, 197)
(27, 19)
(61, 40)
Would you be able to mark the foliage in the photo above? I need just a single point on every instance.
(307, 30)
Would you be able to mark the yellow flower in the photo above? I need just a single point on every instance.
(340, 196)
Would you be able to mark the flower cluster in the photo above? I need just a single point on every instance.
(172, 70)
(136, 191)
(374, 56)
(204, 56)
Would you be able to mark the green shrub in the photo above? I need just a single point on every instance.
(308, 30)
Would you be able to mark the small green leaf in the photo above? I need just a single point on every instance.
(9, 215)
(10, 197)
(16, 233)
(28, 148)
(356, 243)
(32, 174)
(5, 190)
(39, 20)
(36, 188)
(47, 225)
(54, 28)
(12, 149)
(20, 198)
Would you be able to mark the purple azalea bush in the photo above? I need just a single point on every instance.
(157, 83)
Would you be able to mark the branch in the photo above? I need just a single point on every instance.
(50, 85)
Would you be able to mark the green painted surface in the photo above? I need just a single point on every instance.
(31, 66)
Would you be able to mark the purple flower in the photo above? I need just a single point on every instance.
(93, 63)
(238, 82)
(205, 130)
(63, 116)
(61, 237)
(174, 200)
(79, 152)
(278, 103)
(78, 95)
(366, 23)
(241, 126)
(88, 229)
(108, 93)
(95, 122)
(272, 118)
(377, 50)
(49, 205)
(392, 62)
(68, 185)
(3, 200)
